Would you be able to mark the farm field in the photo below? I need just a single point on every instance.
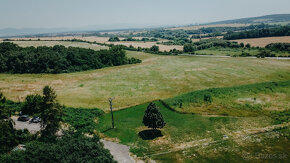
(136, 44)
(262, 42)
(157, 77)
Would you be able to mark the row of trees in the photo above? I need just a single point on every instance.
(181, 36)
(265, 32)
(58, 59)
(279, 46)
(144, 39)
(205, 44)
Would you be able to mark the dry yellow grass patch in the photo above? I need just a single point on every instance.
(262, 42)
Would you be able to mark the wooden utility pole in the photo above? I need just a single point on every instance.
(111, 107)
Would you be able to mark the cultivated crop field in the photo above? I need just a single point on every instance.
(157, 77)
(262, 42)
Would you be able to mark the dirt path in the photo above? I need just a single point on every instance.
(119, 151)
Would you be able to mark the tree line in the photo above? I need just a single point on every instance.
(145, 39)
(257, 33)
(58, 59)
(208, 43)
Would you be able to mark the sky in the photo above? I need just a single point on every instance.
(131, 13)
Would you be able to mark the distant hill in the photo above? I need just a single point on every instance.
(261, 19)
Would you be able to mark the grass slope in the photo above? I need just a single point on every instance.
(244, 100)
(188, 137)
(234, 52)
(157, 77)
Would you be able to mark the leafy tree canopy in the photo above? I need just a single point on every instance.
(153, 118)
(58, 59)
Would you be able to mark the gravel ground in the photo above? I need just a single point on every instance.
(119, 151)
(32, 127)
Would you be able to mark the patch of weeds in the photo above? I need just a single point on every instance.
(281, 117)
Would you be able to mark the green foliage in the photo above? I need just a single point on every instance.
(180, 36)
(7, 135)
(70, 148)
(265, 53)
(179, 41)
(114, 39)
(248, 45)
(154, 48)
(2, 98)
(58, 59)
(32, 104)
(152, 117)
(82, 120)
(50, 113)
(7, 131)
(279, 46)
(281, 117)
(207, 98)
(265, 32)
(209, 43)
(143, 39)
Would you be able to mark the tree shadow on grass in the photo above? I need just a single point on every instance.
(150, 134)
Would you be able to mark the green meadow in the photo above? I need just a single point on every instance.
(215, 108)
(157, 77)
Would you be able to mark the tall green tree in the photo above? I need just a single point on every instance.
(32, 104)
(153, 118)
(7, 132)
(154, 48)
(50, 112)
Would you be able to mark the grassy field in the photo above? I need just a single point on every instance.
(157, 77)
(225, 51)
(187, 137)
(234, 52)
(262, 42)
(245, 100)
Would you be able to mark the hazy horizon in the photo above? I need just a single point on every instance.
(129, 13)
